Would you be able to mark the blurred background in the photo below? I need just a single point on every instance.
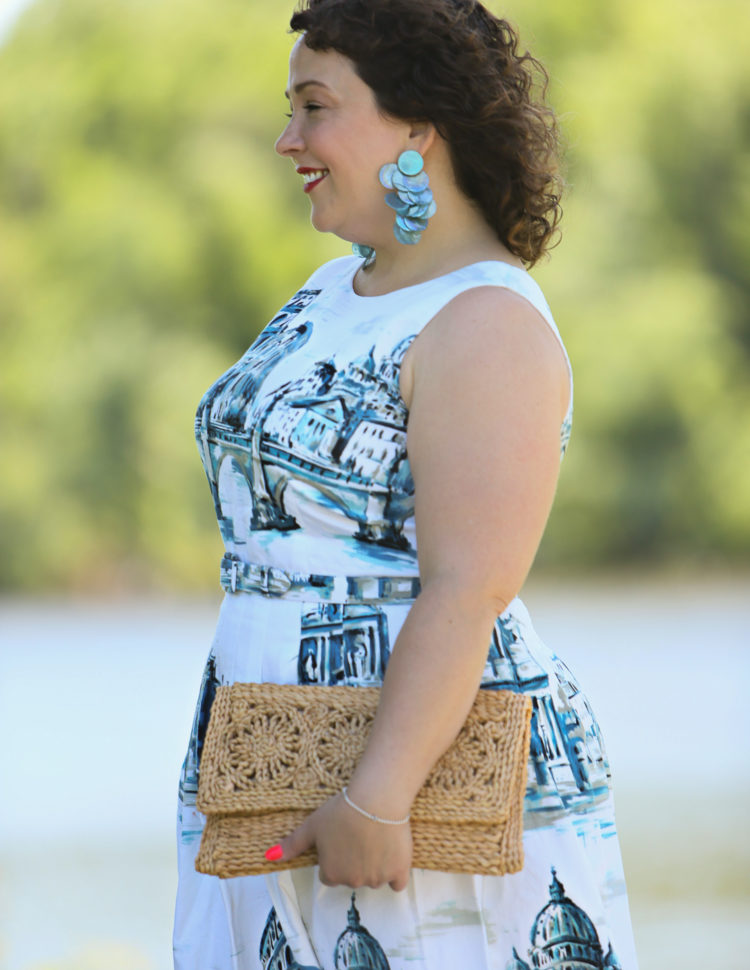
(147, 233)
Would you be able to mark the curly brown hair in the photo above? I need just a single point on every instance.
(453, 63)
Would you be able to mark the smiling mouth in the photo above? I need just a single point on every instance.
(312, 177)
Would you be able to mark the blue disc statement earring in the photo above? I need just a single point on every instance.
(411, 199)
(365, 252)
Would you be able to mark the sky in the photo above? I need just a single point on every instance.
(9, 12)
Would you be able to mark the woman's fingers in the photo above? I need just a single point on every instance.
(299, 841)
(400, 882)
(351, 851)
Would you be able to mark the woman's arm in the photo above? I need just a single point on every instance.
(487, 386)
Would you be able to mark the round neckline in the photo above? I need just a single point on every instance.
(351, 292)
(415, 286)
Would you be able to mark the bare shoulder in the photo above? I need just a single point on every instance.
(489, 390)
(482, 334)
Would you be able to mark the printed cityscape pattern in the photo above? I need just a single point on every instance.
(304, 445)
(337, 435)
(342, 433)
(563, 937)
(356, 948)
(223, 417)
(336, 438)
(274, 951)
(343, 644)
(188, 790)
(349, 644)
(568, 766)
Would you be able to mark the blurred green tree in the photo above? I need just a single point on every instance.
(148, 231)
(650, 284)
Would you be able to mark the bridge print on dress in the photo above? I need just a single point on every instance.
(568, 766)
(563, 937)
(343, 644)
(331, 444)
(221, 421)
(336, 440)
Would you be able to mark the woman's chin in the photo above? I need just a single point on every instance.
(320, 222)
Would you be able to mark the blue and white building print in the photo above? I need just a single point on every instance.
(337, 437)
(275, 952)
(563, 937)
(333, 440)
(343, 644)
(226, 402)
(568, 767)
(565, 432)
(189, 777)
(304, 443)
(357, 948)
(569, 764)
(510, 664)
(222, 417)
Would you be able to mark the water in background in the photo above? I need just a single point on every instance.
(96, 704)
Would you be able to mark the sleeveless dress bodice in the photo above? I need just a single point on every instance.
(304, 439)
(304, 445)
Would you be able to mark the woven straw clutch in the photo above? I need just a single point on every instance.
(273, 753)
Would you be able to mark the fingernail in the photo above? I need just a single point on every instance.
(274, 853)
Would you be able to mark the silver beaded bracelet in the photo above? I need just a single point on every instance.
(373, 818)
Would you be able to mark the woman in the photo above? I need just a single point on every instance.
(305, 444)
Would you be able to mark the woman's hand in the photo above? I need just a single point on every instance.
(353, 850)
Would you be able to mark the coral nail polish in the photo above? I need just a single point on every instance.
(274, 853)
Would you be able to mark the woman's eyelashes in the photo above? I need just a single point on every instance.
(305, 107)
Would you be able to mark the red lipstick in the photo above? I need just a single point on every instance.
(310, 183)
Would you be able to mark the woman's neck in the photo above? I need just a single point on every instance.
(457, 236)
(394, 268)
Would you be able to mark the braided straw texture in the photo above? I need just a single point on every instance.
(274, 753)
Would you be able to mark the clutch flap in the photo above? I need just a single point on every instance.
(272, 747)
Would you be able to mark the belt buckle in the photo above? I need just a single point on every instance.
(233, 576)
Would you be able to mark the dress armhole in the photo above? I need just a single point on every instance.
(533, 295)
(528, 289)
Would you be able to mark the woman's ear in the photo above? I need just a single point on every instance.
(422, 136)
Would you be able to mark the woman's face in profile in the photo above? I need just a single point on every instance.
(338, 140)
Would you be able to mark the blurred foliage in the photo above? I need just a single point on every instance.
(148, 231)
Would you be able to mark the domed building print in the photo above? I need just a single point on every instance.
(357, 948)
(275, 952)
(563, 937)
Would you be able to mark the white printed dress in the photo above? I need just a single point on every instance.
(304, 445)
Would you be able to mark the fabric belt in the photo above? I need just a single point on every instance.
(238, 576)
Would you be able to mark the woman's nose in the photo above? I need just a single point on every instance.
(289, 140)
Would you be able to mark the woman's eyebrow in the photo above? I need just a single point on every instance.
(305, 84)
